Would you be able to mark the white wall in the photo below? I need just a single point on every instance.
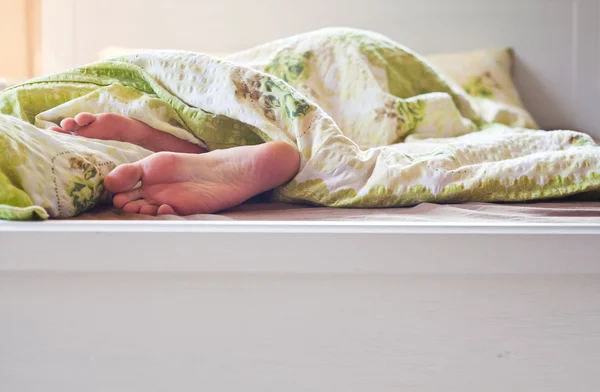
(557, 41)
(13, 39)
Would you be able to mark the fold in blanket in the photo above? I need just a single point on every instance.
(376, 126)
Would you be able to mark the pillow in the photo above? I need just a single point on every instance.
(486, 75)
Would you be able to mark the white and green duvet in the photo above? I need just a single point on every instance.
(376, 125)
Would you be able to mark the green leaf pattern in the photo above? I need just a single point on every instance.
(355, 103)
(481, 86)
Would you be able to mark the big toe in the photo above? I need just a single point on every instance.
(124, 177)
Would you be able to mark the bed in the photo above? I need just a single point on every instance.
(464, 297)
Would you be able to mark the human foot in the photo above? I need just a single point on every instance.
(110, 126)
(188, 184)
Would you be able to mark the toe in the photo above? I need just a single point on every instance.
(124, 177)
(134, 207)
(122, 199)
(58, 129)
(83, 119)
(165, 209)
(149, 209)
(68, 124)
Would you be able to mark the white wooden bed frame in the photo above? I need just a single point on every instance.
(313, 306)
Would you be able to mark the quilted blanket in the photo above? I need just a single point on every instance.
(376, 125)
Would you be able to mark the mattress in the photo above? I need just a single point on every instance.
(547, 212)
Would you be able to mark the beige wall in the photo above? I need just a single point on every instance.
(19, 38)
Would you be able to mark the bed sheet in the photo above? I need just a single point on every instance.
(547, 212)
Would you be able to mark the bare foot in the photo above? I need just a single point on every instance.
(188, 184)
(110, 126)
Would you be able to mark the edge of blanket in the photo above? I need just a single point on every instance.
(8, 212)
